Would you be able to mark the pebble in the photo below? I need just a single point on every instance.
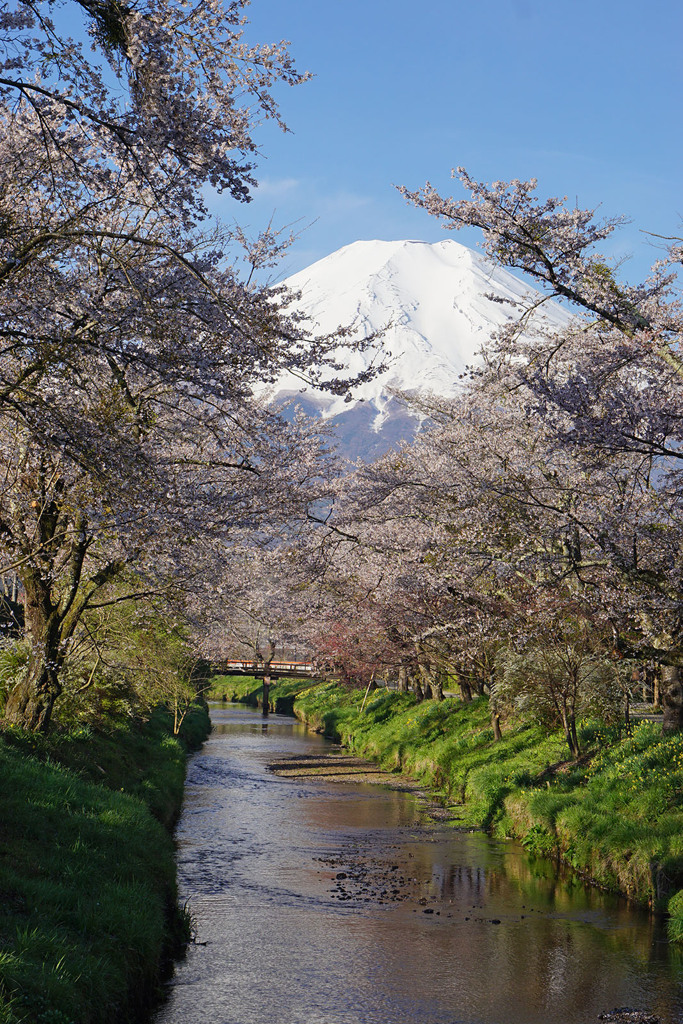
(627, 1015)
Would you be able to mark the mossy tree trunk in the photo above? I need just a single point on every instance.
(672, 698)
(31, 701)
(52, 609)
(437, 683)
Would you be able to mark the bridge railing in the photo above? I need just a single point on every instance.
(276, 667)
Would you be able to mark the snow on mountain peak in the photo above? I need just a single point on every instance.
(433, 296)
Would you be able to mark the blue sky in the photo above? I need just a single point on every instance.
(585, 96)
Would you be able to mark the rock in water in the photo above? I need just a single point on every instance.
(627, 1015)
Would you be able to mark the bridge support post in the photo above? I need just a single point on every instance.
(266, 694)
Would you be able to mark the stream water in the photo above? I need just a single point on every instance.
(321, 903)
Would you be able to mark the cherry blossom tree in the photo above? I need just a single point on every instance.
(484, 540)
(132, 349)
(607, 391)
(69, 532)
(387, 596)
(165, 96)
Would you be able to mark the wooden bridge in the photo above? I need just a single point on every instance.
(276, 669)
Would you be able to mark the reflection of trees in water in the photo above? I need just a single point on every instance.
(542, 960)
(560, 943)
(539, 881)
(553, 964)
(465, 883)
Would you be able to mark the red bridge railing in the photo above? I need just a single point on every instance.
(276, 667)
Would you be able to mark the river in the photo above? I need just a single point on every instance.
(320, 903)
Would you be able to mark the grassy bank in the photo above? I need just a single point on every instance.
(88, 914)
(247, 690)
(616, 816)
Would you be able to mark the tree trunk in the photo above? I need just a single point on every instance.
(569, 726)
(179, 715)
(479, 685)
(417, 689)
(648, 685)
(30, 703)
(403, 679)
(672, 698)
(372, 685)
(493, 705)
(426, 681)
(432, 681)
(437, 686)
(435, 676)
(575, 738)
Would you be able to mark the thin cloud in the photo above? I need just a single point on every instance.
(275, 188)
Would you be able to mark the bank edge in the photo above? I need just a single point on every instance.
(614, 817)
(89, 920)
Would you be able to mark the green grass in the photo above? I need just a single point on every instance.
(240, 689)
(88, 911)
(616, 817)
(446, 745)
(248, 690)
(675, 923)
(621, 821)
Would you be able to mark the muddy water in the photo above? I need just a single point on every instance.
(318, 903)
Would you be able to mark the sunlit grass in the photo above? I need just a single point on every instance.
(616, 817)
(249, 690)
(87, 873)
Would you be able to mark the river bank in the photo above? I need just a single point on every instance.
(321, 898)
(88, 913)
(615, 817)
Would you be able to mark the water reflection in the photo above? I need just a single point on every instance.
(344, 905)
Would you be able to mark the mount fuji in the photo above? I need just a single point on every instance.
(434, 299)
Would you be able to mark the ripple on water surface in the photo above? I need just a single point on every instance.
(318, 903)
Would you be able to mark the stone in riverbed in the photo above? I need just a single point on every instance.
(627, 1015)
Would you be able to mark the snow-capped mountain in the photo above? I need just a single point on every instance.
(434, 299)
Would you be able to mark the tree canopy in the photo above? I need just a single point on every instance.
(528, 542)
(132, 436)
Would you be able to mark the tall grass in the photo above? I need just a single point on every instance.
(87, 873)
(621, 821)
